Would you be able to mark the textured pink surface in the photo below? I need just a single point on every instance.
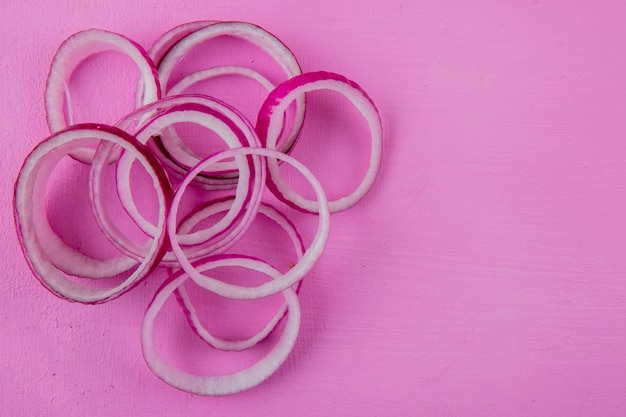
(482, 276)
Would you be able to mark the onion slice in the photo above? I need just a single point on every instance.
(288, 279)
(251, 33)
(75, 50)
(236, 132)
(175, 147)
(186, 304)
(149, 121)
(270, 122)
(31, 220)
(138, 120)
(222, 384)
(215, 72)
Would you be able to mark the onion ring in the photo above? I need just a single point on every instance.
(71, 53)
(289, 278)
(175, 147)
(269, 126)
(236, 132)
(223, 384)
(186, 304)
(251, 33)
(32, 223)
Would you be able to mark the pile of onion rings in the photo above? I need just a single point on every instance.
(232, 182)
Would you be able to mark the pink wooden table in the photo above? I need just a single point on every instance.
(484, 275)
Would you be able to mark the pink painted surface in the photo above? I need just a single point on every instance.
(484, 274)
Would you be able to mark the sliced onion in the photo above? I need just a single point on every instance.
(147, 136)
(291, 277)
(252, 34)
(75, 50)
(185, 302)
(235, 131)
(166, 41)
(175, 147)
(142, 117)
(215, 72)
(223, 384)
(270, 122)
(34, 229)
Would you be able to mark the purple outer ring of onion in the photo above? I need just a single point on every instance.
(269, 126)
(38, 165)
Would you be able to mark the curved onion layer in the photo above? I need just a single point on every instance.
(235, 131)
(291, 277)
(223, 384)
(165, 42)
(75, 50)
(217, 179)
(185, 302)
(244, 31)
(48, 257)
(215, 72)
(270, 122)
(174, 146)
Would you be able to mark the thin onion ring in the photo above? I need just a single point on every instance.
(186, 304)
(71, 53)
(291, 277)
(251, 33)
(223, 384)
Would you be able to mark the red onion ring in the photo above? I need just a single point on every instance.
(289, 278)
(31, 220)
(236, 131)
(175, 147)
(70, 54)
(212, 181)
(223, 384)
(270, 122)
(244, 31)
(185, 302)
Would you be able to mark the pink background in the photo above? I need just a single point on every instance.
(482, 276)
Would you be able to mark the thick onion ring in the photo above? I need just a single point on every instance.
(30, 218)
(270, 122)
